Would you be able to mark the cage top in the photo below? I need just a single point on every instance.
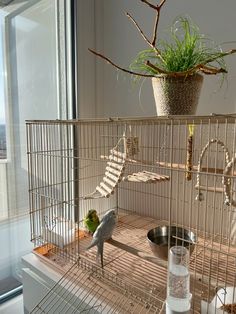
(220, 118)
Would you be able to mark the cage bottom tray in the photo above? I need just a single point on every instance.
(128, 258)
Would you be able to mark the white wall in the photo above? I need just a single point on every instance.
(118, 39)
(86, 70)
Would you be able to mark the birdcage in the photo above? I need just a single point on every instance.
(176, 174)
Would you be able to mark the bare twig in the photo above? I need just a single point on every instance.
(211, 70)
(200, 67)
(117, 66)
(231, 51)
(143, 35)
(161, 4)
(154, 36)
(158, 9)
(223, 54)
(139, 29)
(149, 4)
(154, 67)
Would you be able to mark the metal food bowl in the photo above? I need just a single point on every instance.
(158, 239)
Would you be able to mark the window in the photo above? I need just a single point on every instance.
(3, 151)
(34, 65)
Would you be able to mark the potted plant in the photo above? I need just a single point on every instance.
(176, 65)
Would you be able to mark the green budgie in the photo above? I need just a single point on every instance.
(91, 220)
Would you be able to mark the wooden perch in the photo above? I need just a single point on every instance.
(146, 177)
(209, 188)
(172, 165)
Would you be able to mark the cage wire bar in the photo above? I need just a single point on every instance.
(176, 171)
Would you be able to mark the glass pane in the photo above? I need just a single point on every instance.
(34, 73)
(3, 151)
(31, 70)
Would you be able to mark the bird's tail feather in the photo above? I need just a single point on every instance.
(100, 252)
(92, 244)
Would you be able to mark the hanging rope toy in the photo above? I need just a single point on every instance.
(200, 187)
(227, 184)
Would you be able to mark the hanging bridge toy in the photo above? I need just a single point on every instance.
(114, 169)
(124, 151)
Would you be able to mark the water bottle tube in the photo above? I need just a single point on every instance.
(178, 284)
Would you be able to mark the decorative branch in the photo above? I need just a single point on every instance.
(154, 36)
(149, 4)
(143, 35)
(222, 54)
(161, 4)
(200, 67)
(211, 70)
(139, 29)
(158, 9)
(155, 68)
(117, 66)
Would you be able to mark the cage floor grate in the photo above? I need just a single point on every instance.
(128, 257)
